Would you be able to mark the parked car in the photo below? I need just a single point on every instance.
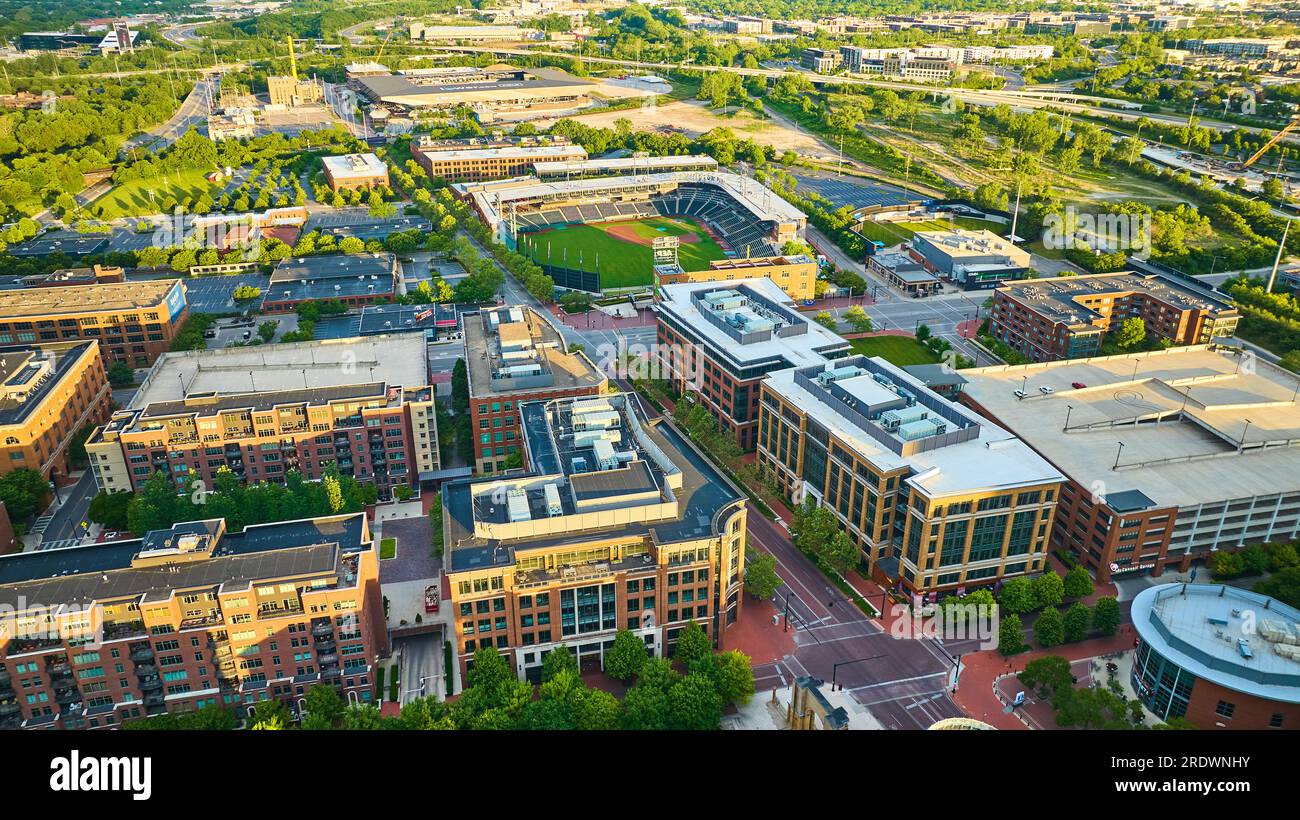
(1078, 385)
(1020, 394)
(1044, 389)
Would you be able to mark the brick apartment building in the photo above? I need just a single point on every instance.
(935, 498)
(48, 393)
(134, 322)
(472, 161)
(717, 342)
(1066, 317)
(617, 523)
(514, 355)
(189, 617)
(370, 427)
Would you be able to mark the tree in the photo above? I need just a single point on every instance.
(109, 510)
(352, 245)
(1254, 560)
(732, 675)
(825, 319)
(858, 319)
(459, 388)
(761, 580)
(645, 706)
(245, 293)
(840, 552)
(266, 330)
(23, 491)
(1131, 332)
(1105, 615)
(558, 660)
(694, 703)
(322, 703)
(1049, 590)
(1018, 596)
(121, 374)
(1047, 675)
(1049, 629)
(624, 659)
(692, 643)
(1011, 635)
(1283, 585)
(1078, 583)
(1076, 622)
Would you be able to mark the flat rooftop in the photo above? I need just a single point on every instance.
(101, 298)
(1224, 635)
(355, 165)
(30, 373)
(397, 359)
(970, 455)
(1228, 426)
(79, 575)
(960, 243)
(652, 482)
(625, 165)
(1061, 298)
(330, 277)
(748, 322)
(538, 152)
(516, 350)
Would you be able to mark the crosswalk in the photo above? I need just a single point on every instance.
(58, 544)
(42, 523)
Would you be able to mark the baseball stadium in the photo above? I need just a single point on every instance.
(599, 234)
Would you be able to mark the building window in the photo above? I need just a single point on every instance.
(1225, 709)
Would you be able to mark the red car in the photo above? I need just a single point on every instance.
(1078, 385)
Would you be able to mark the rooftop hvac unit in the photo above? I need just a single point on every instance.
(891, 420)
(579, 464)
(517, 506)
(553, 506)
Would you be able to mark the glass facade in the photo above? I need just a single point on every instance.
(1165, 687)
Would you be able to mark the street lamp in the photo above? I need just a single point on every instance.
(1117, 452)
(1069, 408)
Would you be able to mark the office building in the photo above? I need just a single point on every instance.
(1171, 455)
(617, 523)
(717, 342)
(905, 273)
(1066, 317)
(495, 162)
(134, 322)
(363, 405)
(353, 280)
(352, 171)
(71, 277)
(1217, 656)
(976, 260)
(935, 497)
(48, 393)
(292, 92)
(796, 275)
(189, 617)
(819, 60)
(1256, 48)
(515, 355)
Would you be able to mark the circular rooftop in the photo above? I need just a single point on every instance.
(1241, 640)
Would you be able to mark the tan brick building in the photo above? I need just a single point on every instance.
(189, 617)
(48, 393)
(796, 275)
(618, 523)
(134, 322)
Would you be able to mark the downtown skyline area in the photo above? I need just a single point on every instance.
(652, 366)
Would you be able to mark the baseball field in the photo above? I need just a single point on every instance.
(621, 251)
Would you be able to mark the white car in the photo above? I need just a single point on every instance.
(1045, 390)
(1020, 394)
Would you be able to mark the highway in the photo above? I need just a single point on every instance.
(193, 112)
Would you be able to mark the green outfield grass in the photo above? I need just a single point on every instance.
(891, 233)
(900, 350)
(133, 198)
(622, 263)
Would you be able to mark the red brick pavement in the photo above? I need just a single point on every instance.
(596, 320)
(980, 670)
(756, 635)
(969, 328)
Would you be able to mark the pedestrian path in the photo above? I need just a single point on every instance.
(58, 544)
(42, 523)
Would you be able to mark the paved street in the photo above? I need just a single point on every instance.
(904, 682)
(71, 510)
(421, 665)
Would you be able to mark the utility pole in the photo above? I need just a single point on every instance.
(1015, 212)
(1278, 259)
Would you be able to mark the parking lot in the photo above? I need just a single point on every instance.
(338, 327)
(209, 294)
(233, 329)
(855, 192)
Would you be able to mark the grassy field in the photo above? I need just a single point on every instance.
(900, 350)
(388, 548)
(891, 233)
(132, 198)
(621, 263)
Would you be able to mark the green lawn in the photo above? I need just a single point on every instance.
(133, 198)
(388, 548)
(899, 350)
(621, 263)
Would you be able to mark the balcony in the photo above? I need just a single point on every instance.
(201, 620)
(128, 629)
(59, 669)
(152, 683)
(273, 612)
(69, 697)
(141, 655)
(9, 707)
(325, 645)
(146, 669)
(324, 628)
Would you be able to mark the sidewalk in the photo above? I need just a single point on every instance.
(980, 672)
